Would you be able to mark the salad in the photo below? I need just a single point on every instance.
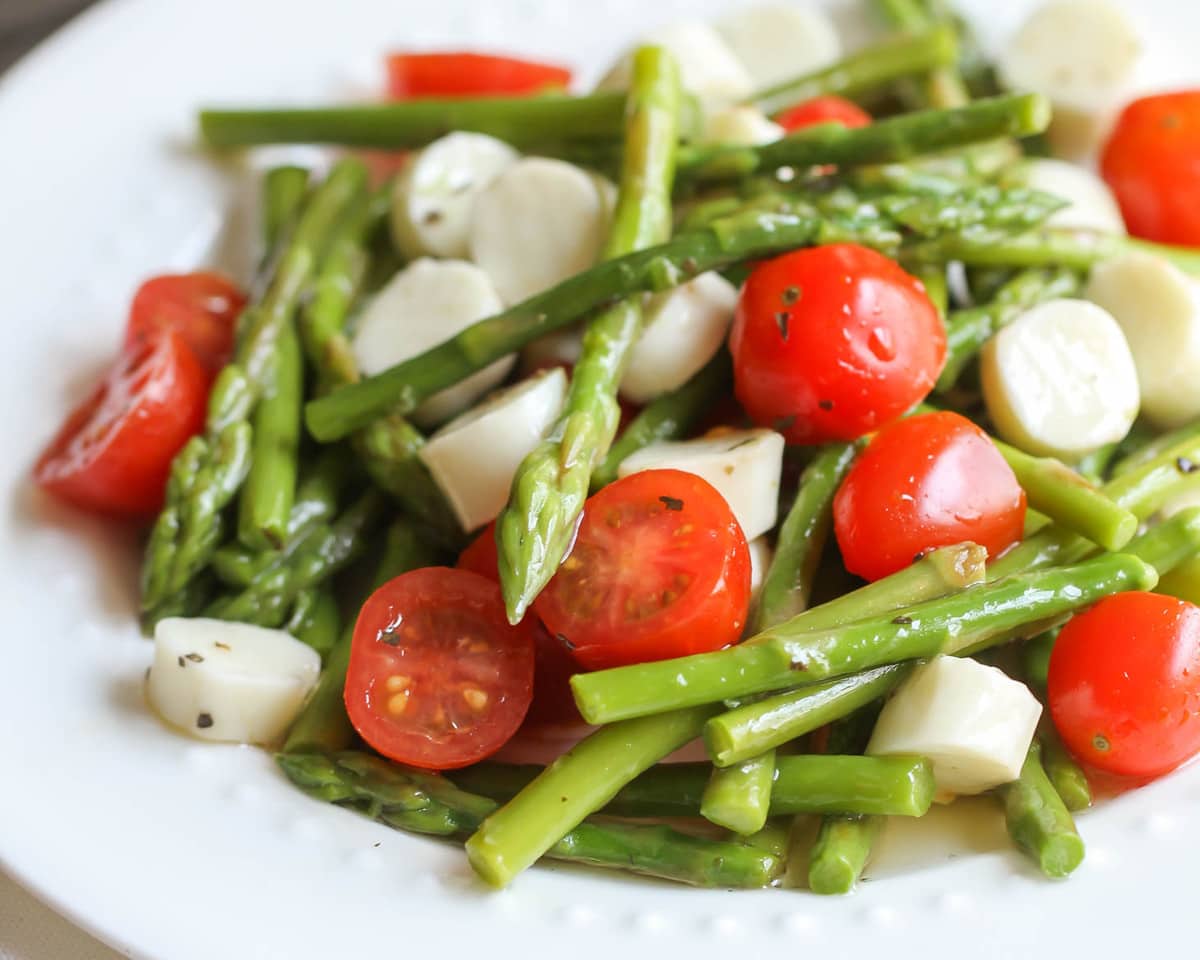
(819, 411)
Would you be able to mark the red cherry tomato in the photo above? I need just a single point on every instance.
(659, 569)
(114, 451)
(830, 343)
(202, 307)
(457, 74)
(928, 481)
(1152, 164)
(553, 702)
(1124, 684)
(437, 677)
(480, 555)
(828, 109)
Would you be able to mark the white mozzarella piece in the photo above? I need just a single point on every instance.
(1060, 380)
(761, 555)
(707, 67)
(778, 41)
(743, 465)
(685, 327)
(474, 457)
(973, 722)
(1158, 308)
(1092, 205)
(435, 193)
(233, 682)
(553, 350)
(425, 304)
(742, 126)
(537, 223)
(1082, 54)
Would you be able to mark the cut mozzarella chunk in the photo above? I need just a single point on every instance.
(474, 457)
(1092, 205)
(778, 41)
(761, 555)
(1082, 54)
(685, 327)
(707, 67)
(435, 194)
(973, 722)
(1158, 308)
(229, 681)
(1060, 380)
(425, 304)
(537, 223)
(743, 126)
(743, 465)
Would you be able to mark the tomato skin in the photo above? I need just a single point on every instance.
(928, 481)
(660, 569)
(826, 109)
(1124, 684)
(479, 556)
(830, 343)
(202, 307)
(1152, 163)
(463, 74)
(437, 676)
(113, 453)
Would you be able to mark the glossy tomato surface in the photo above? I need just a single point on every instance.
(1152, 164)
(114, 452)
(928, 481)
(438, 678)
(201, 307)
(1124, 684)
(833, 342)
(461, 74)
(660, 568)
(828, 109)
(479, 556)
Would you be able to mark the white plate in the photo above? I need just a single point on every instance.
(171, 849)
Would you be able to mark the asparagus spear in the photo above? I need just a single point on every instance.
(872, 68)
(969, 329)
(427, 803)
(1154, 448)
(213, 466)
(536, 528)
(671, 416)
(283, 193)
(1065, 775)
(789, 655)
(319, 624)
(1038, 821)
(323, 724)
(788, 581)
(738, 797)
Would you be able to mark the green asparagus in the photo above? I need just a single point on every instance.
(536, 528)
(738, 797)
(283, 193)
(1038, 821)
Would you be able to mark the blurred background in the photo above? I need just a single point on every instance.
(24, 22)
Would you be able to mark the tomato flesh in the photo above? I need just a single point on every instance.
(660, 568)
(1152, 163)
(831, 343)
(827, 109)
(461, 74)
(202, 307)
(1124, 684)
(437, 677)
(928, 481)
(114, 452)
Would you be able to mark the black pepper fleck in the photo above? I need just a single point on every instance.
(182, 662)
(902, 620)
(825, 404)
(672, 503)
(1184, 465)
(690, 265)
(432, 217)
(782, 318)
(391, 639)
(377, 843)
(790, 295)
(204, 721)
(919, 556)
(194, 657)
(222, 646)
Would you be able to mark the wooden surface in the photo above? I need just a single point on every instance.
(24, 22)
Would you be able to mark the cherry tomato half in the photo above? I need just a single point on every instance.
(202, 307)
(479, 556)
(437, 677)
(832, 342)
(827, 109)
(660, 568)
(1152, 164)
(458, 74)
(114, 451)
(928, 481)
(1124, 684)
